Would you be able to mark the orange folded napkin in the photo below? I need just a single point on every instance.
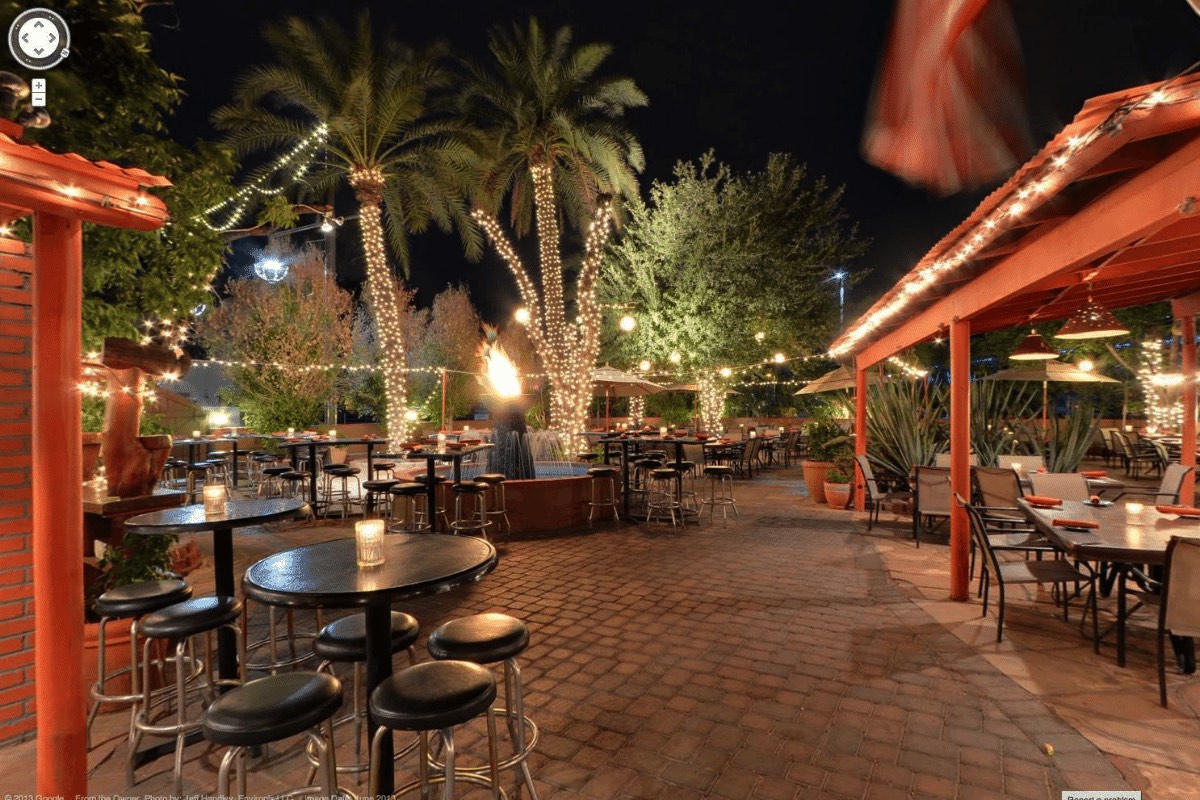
(1182, 511)
(1094, 473)
(1042, 502)
(1075, 523)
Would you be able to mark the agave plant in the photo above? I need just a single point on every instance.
(993, 406)
(904, 427)
(1070, 441)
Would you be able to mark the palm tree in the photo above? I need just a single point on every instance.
(555, 144)
(406, 165)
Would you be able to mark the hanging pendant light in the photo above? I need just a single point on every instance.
(1033, 348)
(1092, 321)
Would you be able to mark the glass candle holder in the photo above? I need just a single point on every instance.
(662, 432)
(332, 433)
(214, 499)
(466, 428)
(368, 542)
(195, 434)
(291, 431)
(441, 441)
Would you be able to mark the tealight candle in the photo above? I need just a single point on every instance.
(195, 434)
(291, 431)
(466, 428)
(332, 433)
(214, 499)
(368, 542)
(662, 431)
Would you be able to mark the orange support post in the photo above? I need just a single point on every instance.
(58, 507)
(860, 434)
(960, 447)
(1187, 455)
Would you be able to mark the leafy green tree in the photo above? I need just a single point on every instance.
(110, 101)
(406, 165)
(450, 339)
(555, 150)
(304, 321)
(716, 258)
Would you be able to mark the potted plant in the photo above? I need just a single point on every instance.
(826, 441)
(838, 483)
(136, 558)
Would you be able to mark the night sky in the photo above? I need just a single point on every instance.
(744, 79)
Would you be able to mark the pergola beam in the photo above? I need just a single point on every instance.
(1123, 216)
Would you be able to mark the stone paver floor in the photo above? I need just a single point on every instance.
(788, 654)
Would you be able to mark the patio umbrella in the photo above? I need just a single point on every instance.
(618, 383)
(1046, 371)
(840, 378)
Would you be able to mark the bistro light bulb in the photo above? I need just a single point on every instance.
(1087, 365)
(779, 359)
(726, 372)
(758, 337)
(411, 415)
(522, 316)
(644, 366)
(676, 358)
(628, 323)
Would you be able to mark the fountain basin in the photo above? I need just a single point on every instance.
(554, 502)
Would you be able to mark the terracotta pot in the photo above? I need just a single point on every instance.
(91, 454)
(814, 478)
(837, 495)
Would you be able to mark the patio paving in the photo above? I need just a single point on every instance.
(788, 654)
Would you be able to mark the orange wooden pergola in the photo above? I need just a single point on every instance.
(1108, 206)
(61, 192)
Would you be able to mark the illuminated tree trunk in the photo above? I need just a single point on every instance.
(568, 348)
(383, 298)
(712, 401)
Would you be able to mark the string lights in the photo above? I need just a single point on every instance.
(567, 348)
(1008, 210)
(294, 164)
(1164, 408)
(383, 295)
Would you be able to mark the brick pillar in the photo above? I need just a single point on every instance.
(16, 525)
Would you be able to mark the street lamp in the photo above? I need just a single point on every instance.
(840, 276)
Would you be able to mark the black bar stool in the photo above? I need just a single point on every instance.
(179, 623)
(499, 506)
(490, 639)
(344, 641)
(602, 474)
(128, 602)
(435, 696)
(720, 478)
(378, 493)
(410, 497)
(440, 510)
(270, 709)
(660, 495)
(476, 520)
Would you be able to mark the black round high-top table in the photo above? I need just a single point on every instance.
(238, 514)
(325, 575)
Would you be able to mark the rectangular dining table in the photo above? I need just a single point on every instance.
(1128, 534)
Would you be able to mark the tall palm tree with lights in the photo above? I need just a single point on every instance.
(555, 151)
(407, 164)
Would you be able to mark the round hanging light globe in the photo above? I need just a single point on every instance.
(522, 316)
(628, 323)
(779, 359)
(644, 366)
(1087, 365)
(271, 270)
(758, 337)
(726, 372)
(676, 358)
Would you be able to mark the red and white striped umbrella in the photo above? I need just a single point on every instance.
(948, 111)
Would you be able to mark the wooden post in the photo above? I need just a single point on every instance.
(1187, 453)
(860, 434)
(443, 426)
(58, 507)
(960, 447)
